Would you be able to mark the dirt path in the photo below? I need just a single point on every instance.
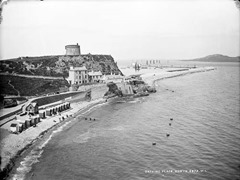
(32, 76)
(18, 92)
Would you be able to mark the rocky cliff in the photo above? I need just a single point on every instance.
(58, 66)
(113, 90)
(25, 76)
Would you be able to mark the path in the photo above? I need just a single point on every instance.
(18, 92)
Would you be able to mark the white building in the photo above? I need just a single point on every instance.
(113, 78)
(78, 75)
(95, 76)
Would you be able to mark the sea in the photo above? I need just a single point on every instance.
(189, 129)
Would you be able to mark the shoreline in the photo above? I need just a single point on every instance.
(151, 78)
(23, 141)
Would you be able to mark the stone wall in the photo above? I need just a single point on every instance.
(98, 90)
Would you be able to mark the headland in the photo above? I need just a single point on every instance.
(92, 79)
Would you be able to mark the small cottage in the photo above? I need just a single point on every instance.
(49, 112)
(54, 110)
(28, 123)
(14, 128)
(20, 127)
(58, 108)
(42, 114)
(68, 105)
(32, 108)
(32, 121)
(22, 123)
(35, 120)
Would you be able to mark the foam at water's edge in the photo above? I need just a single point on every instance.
(26, 165)
(98, 105)
(35, 154)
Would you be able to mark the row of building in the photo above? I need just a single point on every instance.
(33, 116)
(80, 75)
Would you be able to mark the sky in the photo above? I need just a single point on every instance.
(125, 29)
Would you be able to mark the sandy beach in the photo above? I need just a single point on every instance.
(13, 144)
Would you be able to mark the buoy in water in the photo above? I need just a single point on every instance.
(170, 124)
(154, 144)
(167, 135)
(94, 119)
(171, 119)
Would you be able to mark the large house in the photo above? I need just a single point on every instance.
(78, 75)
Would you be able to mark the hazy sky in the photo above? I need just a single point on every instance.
(126, 29)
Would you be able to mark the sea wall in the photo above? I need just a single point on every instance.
(150, 78)
(99, 91)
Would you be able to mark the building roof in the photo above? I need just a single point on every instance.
(13, 125)
(34, 104)
(72, 45)
(83, 68)
(97, 73)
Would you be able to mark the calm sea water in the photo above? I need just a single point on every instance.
(204, 139)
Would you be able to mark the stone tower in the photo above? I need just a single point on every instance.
(73, 50)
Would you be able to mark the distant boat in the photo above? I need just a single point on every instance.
(137, 66)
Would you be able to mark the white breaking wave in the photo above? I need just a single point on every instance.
(98, 105)
(35, 154)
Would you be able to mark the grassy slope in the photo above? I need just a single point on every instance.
(29, 86)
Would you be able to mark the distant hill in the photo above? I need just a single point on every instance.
(217, 58)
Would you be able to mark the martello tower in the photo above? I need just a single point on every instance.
(73, 50)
